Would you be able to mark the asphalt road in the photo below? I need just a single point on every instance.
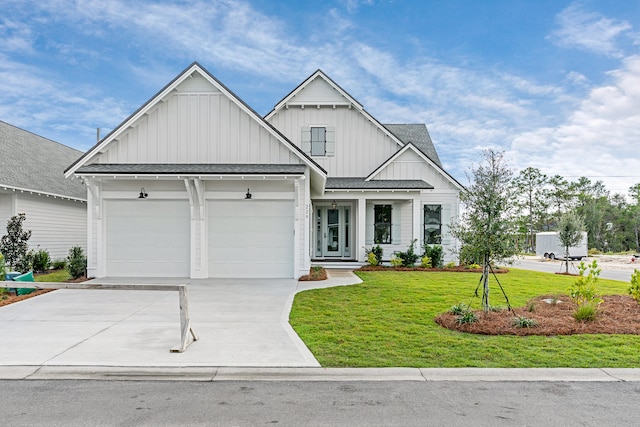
(401, 403)
(557, 266)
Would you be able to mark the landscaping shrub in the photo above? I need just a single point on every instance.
(634, 287)
(24, 264)
(409, 257)
(586, 312)
(13, 245)
(59, 264)
(41, 261)
(395, 261)
(377, 252)
(434, 252)
(467, 317)
(76, 262)
(425, 262)
(524, 322)
(459, 308)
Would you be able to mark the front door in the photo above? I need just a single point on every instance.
(333, 238)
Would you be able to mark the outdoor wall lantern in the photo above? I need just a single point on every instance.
(143, 194)
(334, 205)
(248, 195)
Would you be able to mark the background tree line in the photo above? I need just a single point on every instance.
(612, 221)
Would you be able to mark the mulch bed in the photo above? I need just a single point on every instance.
(618, 314)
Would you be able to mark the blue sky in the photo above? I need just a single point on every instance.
(553, 83)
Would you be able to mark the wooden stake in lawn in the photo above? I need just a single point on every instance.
(487, 225)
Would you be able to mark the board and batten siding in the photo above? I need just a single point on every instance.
(197, 128)
(56, 224)
(410, 165)
(360, 145)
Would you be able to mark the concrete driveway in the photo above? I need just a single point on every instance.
(240, 323)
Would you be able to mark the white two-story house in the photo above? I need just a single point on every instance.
(196, 184)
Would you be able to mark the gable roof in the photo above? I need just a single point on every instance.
(412, 147)
(349, 100)
(36, 164)
(418, 135)
(164, 92)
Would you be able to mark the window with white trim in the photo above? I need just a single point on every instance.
(382, 224)
(433, 224)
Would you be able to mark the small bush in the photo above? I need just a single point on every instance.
(425, 262)
(593, 251)
(13, 245)
(583, 290)
(450, 265)
(372, 259)
(378, 252)
(409, 257)
(76, 262)
(467, 317)
(459, 308)
(474, 266)
(586, 312)
(59, 264)
(41, 261)
(395, 261)
(524, 322)
(495, 308)
(531, 307)
(634, 287)
(434, 252)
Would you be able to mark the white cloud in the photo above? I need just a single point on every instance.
(589, 31)
(599, 139)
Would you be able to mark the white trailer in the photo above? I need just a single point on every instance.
(548, 245)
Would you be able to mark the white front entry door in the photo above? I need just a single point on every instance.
(250, 238)
(333, 232)
(147, 238)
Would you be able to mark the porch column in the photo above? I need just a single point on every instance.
(416, 232)
(362, 228)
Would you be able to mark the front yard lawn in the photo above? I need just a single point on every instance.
(389, 321)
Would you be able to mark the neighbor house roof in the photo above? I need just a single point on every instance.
(190, 169)
(419, 136)
(382, 184)
(36, 164)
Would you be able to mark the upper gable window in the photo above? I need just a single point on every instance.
(318, 141)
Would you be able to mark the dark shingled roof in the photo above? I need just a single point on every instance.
(383, 184)
(191, 169)
(418, 135)
(37, 164)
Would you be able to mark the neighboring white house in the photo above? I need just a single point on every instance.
(32, 181)
(197, 184)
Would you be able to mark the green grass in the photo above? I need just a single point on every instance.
(56, 276)
(388, 321)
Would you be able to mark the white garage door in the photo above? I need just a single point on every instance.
(147, 238)
(250, 238)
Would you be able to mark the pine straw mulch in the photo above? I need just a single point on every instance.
(618, 314)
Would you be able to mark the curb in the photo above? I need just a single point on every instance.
(215, 374)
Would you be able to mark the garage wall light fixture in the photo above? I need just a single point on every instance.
(143, 194)
(248, 195)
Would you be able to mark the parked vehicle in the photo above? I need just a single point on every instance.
(548, 245)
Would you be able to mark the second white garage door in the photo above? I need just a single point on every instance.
(250, 238)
